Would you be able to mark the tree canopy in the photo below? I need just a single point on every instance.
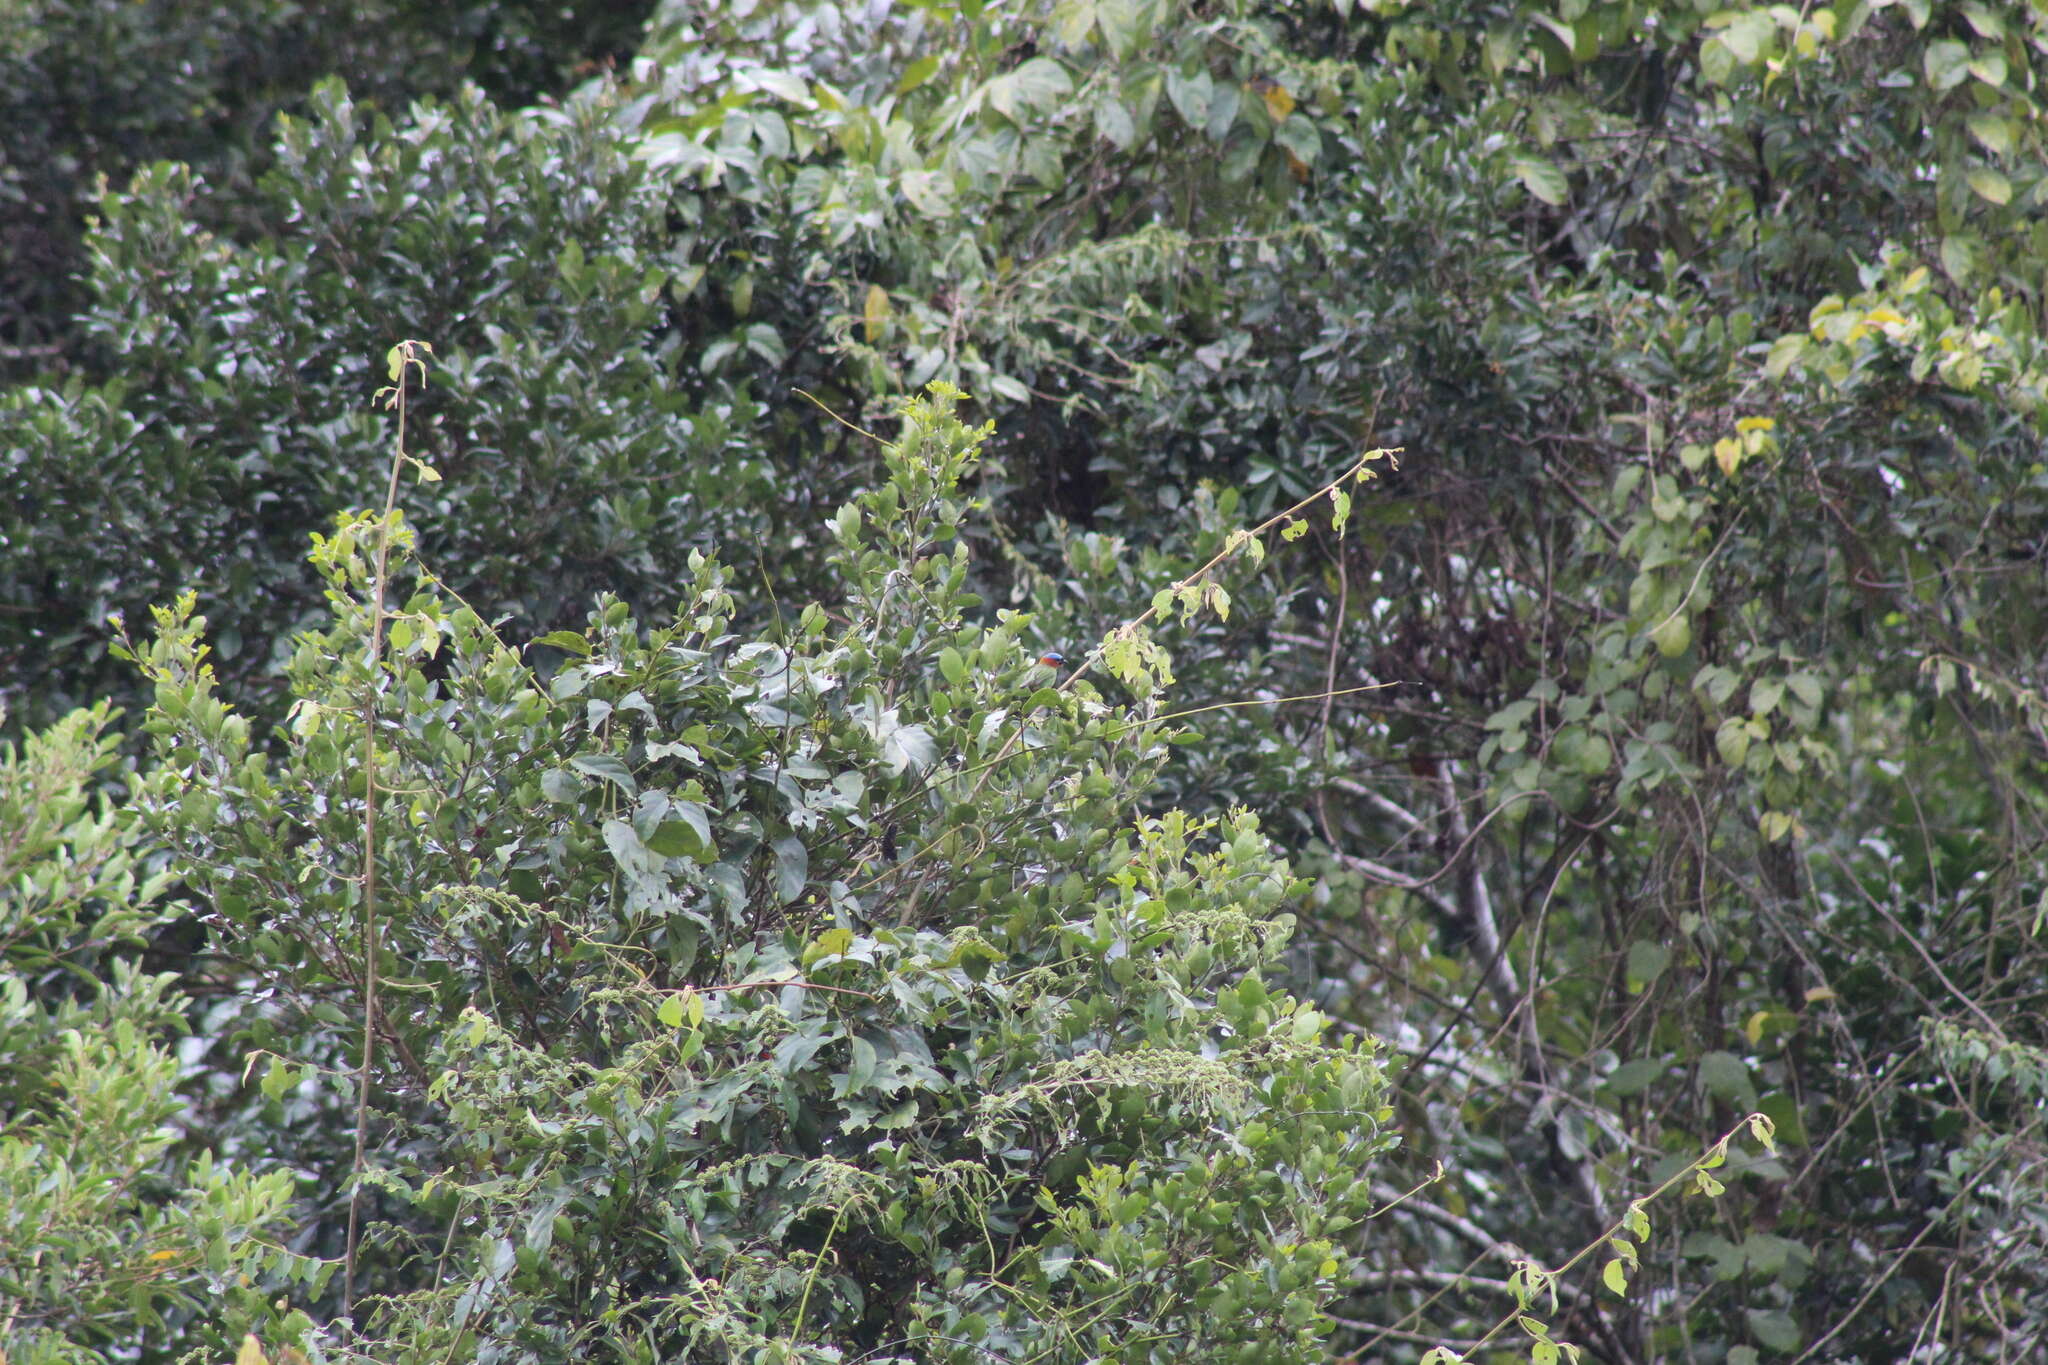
(1536, 845)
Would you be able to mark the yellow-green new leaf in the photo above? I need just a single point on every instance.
(1615, 1277)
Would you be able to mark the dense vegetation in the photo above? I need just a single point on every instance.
(1538, 839)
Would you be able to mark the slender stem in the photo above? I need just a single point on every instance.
(803, 1304)
(1232, 544)
(369, 939)
(1713, 1156)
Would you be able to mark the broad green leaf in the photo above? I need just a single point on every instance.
(1774, 1328)
(1731, 741)
(1962, 257)
(1994, 131)
(1223, 106)
(1726, 1078)
(688, 835)
(1632, 1078)
(1302, 137)
(1500, 48)
(1615, 1276)
(1074, 20)
(1542, 179)
(1946, 62)
(609, 767)
(1190, 96)
(929, 192)
(1121, 23)
(1786, 352)
(1990, 185)
(1750, 36)
(917, 73)
(792, 868)
(1113, 122)
(784, 84)
(1036, 85)
(1984, 20)
(1673, 636)
(1646, 962)
(1718, 62)
(1764, 695)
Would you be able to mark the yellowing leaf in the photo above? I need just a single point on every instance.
(874, 313)
(1728, 455)
(831, 943)
(1278, 102)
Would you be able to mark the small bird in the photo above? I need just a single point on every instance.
(1052, 658)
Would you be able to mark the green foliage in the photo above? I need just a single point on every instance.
(1662, 739)
(92, 88)
(789, 996)
(528, 246)
(72, 882)
(115, 1234)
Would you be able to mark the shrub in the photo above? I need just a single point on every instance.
(116, 1230)
(92, 88)
(529, 247)
(797, 997)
